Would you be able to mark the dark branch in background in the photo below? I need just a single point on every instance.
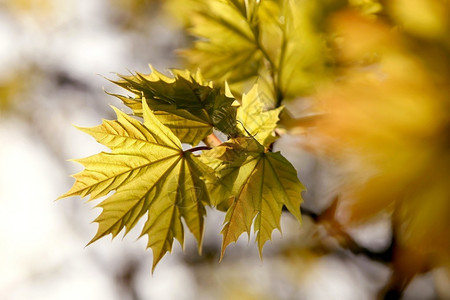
(398, 282)
(336, 230)
(307, 212)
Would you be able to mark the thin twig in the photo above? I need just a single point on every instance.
(200, 148)
(336, 230)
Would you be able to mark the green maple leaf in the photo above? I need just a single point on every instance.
(186, 103)
(282, 42)
(256, 118)
(227, 48)
(150, 174)
(305, 57)
(253, 185)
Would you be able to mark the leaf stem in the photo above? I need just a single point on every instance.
(199, 148)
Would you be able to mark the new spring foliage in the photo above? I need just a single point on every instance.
(153, 177)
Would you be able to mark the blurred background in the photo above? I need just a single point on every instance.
(55, 57)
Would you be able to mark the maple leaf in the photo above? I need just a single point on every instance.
(253, 185)
(227, 48)
(186, 103)
(260, 121)
(150, 174)
(304, 58)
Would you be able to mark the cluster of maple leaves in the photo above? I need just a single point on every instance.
(153, 176)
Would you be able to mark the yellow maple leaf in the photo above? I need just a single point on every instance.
(151, 175)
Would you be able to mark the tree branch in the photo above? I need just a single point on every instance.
(336, 230)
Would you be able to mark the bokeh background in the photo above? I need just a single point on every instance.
(55, 58)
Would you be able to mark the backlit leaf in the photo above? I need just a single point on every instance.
(304, 59)
(186, 103)
(257, 118)
(227, 48)
(282, 43)
(255, 185)
(150, 174)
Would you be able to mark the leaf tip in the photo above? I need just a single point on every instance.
(95, 238)
(156, 260)
(90, 242)
(60, 197)
(222, 252)
(260, 249)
